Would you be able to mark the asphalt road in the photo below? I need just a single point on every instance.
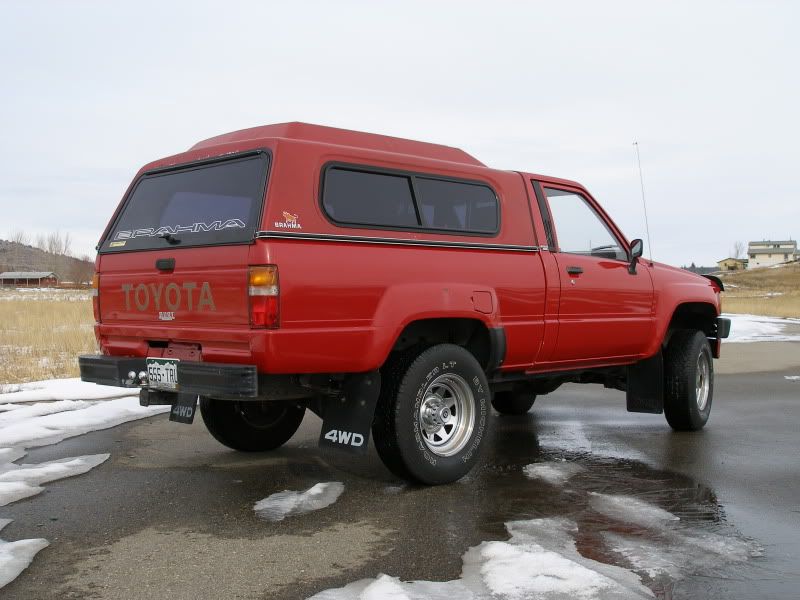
(170, 514)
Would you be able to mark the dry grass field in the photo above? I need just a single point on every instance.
(42, 332)
(770, 292)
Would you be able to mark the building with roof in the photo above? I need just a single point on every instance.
(28, 279)
(768, 253)
(732, 264)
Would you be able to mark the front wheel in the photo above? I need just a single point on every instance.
(432, 416)
(251, 426)
(689, 380)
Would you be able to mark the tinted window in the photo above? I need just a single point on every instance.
(456, 206)
(579, 229)
(369, 198)
(357, 197)
(213, 204)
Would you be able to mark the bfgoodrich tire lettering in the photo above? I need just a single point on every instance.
(689, 380)
(432, 417)
(251, 426)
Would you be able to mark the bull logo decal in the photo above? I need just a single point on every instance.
(290, 221)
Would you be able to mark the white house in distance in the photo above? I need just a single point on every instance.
(770, 252)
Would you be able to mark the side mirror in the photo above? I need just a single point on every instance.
(637, 248)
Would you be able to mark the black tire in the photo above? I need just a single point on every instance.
(687, 404)
(251, 426)
(513, 403)
(415, 390)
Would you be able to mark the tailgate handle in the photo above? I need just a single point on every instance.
(574, 270)
(165, 264)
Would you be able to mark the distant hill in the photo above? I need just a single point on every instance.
(21, 257)
(701, 270)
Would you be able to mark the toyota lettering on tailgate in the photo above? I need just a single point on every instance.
(169, 297)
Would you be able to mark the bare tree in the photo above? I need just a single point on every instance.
(738, 250)
(19, 236)
(54, 242)
(82, 270)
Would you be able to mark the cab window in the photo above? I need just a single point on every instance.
(579, 229)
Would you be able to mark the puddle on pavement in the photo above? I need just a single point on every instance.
(665, 527)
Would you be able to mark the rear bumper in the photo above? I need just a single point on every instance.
(203, 379)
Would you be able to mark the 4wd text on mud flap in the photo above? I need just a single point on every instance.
(182, 411)
(345, 437)
(172, 295)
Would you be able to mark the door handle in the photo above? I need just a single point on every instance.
(574, 270)
(165, 264)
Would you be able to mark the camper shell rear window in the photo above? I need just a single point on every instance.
(384, 199)
(202, 204)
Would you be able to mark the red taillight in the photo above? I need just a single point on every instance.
(264, 294)
(96, 297)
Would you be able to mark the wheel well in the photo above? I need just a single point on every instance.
(694, 315)
(471, 334)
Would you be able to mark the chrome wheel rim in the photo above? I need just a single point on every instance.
(702, 381)
(447, 414)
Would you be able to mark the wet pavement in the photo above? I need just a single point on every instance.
(171, 513)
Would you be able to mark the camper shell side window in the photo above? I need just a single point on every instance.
(361, 196)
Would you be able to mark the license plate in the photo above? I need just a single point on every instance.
(162, 373)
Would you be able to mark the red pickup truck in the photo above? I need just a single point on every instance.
(392, 287)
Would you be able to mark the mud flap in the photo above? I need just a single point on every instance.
(183, 408)
(645, 388)
(347, 419)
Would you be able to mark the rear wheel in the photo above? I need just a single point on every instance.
(512, 403)
(689, 380)
(431, 419)
(251, 426)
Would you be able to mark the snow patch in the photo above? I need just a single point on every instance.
(15, 412)
(288, 503)
(384, 588)
(540, 560)
(11, 491)
(47, 412)
(22, 481)
(678, 554)
(507, 572)
(755, 328)
(628, 509)
(61, 389)
(554, 473)
(792, 377)
(16, 556)
(50, 428)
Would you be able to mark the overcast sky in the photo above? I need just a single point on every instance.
(91, 91)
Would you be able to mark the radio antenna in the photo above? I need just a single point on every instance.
(644, 202)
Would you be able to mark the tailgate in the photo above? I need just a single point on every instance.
(206, 285)
(177, 249)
